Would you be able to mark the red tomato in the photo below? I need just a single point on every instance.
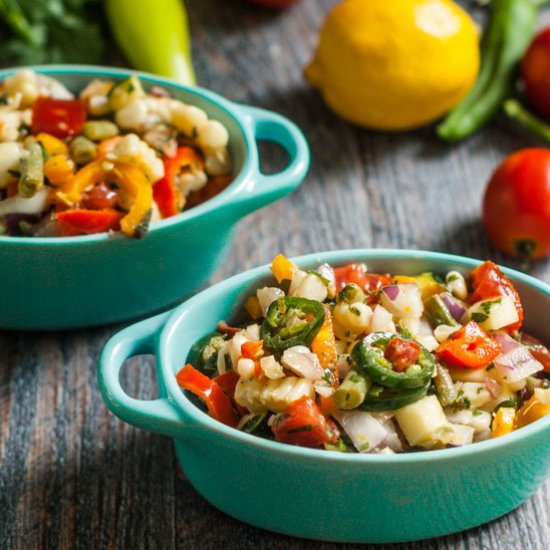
(489, 282)
(516, 206)
(402, 353)
(351, 273)
(59, 117)
(100, 197)
(302, 423)
(535, 71)
(273, 3)
(469, 347)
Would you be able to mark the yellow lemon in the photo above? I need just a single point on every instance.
(395, 64)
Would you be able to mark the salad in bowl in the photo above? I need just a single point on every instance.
(112, 157)
(347, 360)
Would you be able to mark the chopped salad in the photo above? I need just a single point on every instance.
(114, 158)
(343, 359)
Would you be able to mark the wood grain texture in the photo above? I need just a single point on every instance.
(73, 476)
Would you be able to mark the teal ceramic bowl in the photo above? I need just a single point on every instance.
(320, 494)
(70, 282)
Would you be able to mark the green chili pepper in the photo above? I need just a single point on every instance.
(438, 312)
(380, 399)
(203, 354)
(291, 322)
(368, 355)
(253, 422)
(515, 110)
(511, 27)
(352, 391)
(154, 36)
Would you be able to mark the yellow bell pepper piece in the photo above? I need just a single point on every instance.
(58, 169)
(253, 308)
(53, 145)
(282, 268)
(530, 411)
(402, 279)
(504, 422)
(91, 174)
(324, 343)
(135, 183)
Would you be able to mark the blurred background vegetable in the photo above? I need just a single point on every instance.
(51, 31)
(395, 64)
(535, 72)
(273, 3)
(511, 26)
(516, 205)
(154, 36)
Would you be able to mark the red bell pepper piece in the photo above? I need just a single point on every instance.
(90, 221)
(165, 192)
(469, 347)
(302, 423)
(252, 350)
(488, 281)
(218, 403)
(59, 117)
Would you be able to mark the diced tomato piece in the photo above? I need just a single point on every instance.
(402, 353)
(99, 198)
(302, 423)
(351, 273)
(90, 221)
(488, 281)
(218, 403)
(538, 350)
(469, 347)
(368, 282)
(59, 117)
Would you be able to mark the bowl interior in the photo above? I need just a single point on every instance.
(225, 301)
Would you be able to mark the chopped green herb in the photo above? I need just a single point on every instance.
(304, 428)
(364, 447)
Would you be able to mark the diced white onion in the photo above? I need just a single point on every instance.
(301, 361)
(267, 295)
(19, 205)
(366, 432)
(403, 301)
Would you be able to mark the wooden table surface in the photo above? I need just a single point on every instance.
(74, 476)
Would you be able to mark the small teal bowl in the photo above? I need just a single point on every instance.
(320, 494)
(71, 282)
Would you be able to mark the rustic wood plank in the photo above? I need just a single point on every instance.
(74, 476)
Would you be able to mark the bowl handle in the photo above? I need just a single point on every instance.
(269, 126)
(157, 415)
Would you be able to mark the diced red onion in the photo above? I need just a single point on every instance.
(391, 291)
(516, 364)
(454, 305)
(506, 342)
(493, 387)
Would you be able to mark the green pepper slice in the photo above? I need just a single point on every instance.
(368, 355)
(380, 399)
(291, 322)
(203, 354)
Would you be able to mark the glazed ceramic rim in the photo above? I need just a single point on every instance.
(99, 71)
(177, 396)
